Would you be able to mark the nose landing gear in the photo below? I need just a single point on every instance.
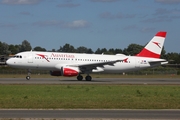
(28, 77)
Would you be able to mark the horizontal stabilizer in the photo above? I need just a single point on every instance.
(158, 62)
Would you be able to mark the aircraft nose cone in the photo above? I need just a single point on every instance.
(9, 62)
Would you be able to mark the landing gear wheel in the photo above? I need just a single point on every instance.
(28, 77)
(88, 78)
(79, 77)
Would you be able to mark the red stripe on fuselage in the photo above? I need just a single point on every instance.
(147, 53)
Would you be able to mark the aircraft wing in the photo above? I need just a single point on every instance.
(90, 66)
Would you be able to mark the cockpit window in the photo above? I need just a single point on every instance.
(17, 56)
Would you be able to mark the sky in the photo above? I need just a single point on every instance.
(89, 23)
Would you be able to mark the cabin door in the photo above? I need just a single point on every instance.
(30, 57)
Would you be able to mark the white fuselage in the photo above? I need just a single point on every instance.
(55, 60)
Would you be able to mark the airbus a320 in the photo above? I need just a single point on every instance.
(76, 64)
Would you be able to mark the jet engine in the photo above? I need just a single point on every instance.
(66, 71)
(56, 73)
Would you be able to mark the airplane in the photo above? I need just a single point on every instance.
(76, 64)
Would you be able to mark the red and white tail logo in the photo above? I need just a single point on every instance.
(154, 47)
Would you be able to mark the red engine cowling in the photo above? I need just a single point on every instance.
(70, 71)
(66, 71)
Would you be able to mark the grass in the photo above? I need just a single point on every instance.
(90, 96)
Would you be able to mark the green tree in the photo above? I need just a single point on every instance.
(14, 49)
(90, 51)
(98, 51)
(4, 48)
(25, 46)
(53, 50)
(81, 49)
(111, 51)
(67, 48)
(173, 58)
(116, 51)
(133, 49)
(38, 48)
(163, 53)
(104, 50)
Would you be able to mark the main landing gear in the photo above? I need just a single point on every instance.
(28, 77)
(80, 77)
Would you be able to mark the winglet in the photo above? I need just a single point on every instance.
(154, 47)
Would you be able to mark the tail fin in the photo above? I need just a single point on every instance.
(154, 47)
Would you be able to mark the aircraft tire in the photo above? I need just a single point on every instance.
(88, 78)
(79, 77)
(28, 77)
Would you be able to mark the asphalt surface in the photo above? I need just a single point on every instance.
(92, 114)
(159, 81)
(95, 114)
(156, 81)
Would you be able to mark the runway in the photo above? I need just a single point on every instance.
(92, 114)
(129, 81)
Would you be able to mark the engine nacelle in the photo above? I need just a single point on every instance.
(56, 73)
(70, 71)
(66, 71)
